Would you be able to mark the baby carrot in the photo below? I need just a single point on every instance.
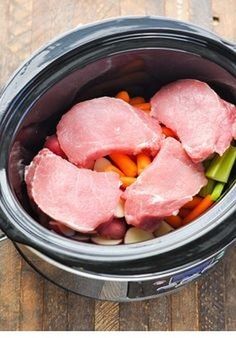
(144, 106)
(183, 212)
(137, 100)
(103, 164)
(142, 162)
(174, 221)
(192, 204)
(125, 164)
(126, 181)
(114, 169)
(199, 209)
(168, 132)
(123, 95)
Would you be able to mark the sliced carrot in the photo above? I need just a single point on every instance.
(143, 161)
(144, 106)
(183, 212)
(103, 164)
(137, 100)
(168, 132)
(126, 181)
(192, 204)
(114, 169)
(199, 209)
(123, 95)
(125, 164)
(174, 221)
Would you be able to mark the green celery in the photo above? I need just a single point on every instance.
(207, 189)
(221, 166)
(217, 191)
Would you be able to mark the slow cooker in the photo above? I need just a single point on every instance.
(139, 54)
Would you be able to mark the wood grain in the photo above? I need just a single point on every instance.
(106, 316)
(160, 314)
(31, 299)
(54, 308)
(178, 9)
(223, 13)
(184, 306)
(9, 287)
(134, 316)
(81, 313)
(200, 13)
(230, 291)
(211, 300)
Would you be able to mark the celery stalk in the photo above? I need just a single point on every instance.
(207, 189)
(221, 166)
(217, 191)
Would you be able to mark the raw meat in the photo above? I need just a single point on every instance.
(82, 199)
(200, 118)
(98, 127)
(163, 187)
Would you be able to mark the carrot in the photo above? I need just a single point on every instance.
(142, 162)
(126, 181)
(144, 106)
(174, 221)
(123, 95)
(183, 212)
(192, 204)
(137, 100)
(199, 209)
(125, 164)
(103, 164)
(168, 132)
(114, 169)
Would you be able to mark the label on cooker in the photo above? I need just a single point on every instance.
(145, 289)
(188, 275)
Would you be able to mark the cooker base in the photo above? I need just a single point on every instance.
(115, 288)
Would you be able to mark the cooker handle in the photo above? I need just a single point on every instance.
(8, 231)
(229, 44)
(3, 237)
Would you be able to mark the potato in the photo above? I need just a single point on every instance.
(113, 230)
(163, 229)
(105, 241)
(120, 212)
(101, 164)
(136, 235)
(53, 145)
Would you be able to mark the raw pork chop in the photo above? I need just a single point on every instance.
(200, 118)
(80, 198)
(98, 127)
(163, 187)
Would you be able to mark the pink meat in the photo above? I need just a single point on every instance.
(80, 198)
(200, 118)
(98, 127)
(163, 187)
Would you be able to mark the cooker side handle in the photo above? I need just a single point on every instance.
(3, 237)
(229, 44)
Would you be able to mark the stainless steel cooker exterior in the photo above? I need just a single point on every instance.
(116, 287)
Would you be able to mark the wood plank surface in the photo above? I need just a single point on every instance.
(27, 300)
(211, 300)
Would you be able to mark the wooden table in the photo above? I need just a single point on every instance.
(27, 301)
